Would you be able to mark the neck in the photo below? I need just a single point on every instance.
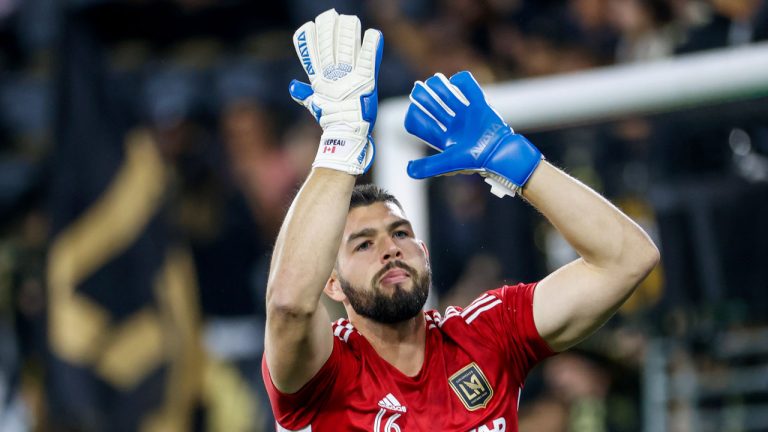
(402, 344)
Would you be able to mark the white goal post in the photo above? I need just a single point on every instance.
(545, 103)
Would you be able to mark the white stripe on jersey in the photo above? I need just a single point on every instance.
(450, 312)
(480, 305)
(282, 429)
(485, 298)
(338, 330)
(430, 321)
(483, 309)
(391, 398)
(437, 317)
(343, 331)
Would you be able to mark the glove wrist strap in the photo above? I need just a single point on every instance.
(500, 186)
(515, 159)
(346, 152)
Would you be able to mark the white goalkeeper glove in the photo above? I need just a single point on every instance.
(343, 92)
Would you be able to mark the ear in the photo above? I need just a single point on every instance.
(333, 288)
(424, 248)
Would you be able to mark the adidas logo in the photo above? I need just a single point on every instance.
(391, 403)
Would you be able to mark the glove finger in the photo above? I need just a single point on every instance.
(423, 96)
(449, 94)
(439, 164)
(468, 86)
(420, 124)
(367, 68)
(326, 24)
(300, 91)
(369, 59)
(304, 40)
(347, 42)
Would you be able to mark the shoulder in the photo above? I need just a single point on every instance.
(492, 311)
(481, 305)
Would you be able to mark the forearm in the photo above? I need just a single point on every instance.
(600, 233)
(573, 301)
(306, 247)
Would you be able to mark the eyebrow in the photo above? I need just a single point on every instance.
(370, 232)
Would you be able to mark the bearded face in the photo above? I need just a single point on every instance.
(393, 304)
(382, 270)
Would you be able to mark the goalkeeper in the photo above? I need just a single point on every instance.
(393, 366)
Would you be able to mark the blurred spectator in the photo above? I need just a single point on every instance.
(594, 31)
(646, 29)
(583, 392)
(259, 167)
(732, 22)
(448, 41)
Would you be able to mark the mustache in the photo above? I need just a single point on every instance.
(394, 264)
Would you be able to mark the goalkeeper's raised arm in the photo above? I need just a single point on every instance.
(453, 116)
(341, 95)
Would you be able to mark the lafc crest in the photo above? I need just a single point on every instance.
(471, 386)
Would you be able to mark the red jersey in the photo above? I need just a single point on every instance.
(475, 363)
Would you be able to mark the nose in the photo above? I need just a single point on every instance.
(391, 251)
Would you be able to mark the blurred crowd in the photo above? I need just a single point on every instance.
(149, 151)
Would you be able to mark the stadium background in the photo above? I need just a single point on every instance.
(148, 151)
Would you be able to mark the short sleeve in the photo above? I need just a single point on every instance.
(526, 345)
(294, 411)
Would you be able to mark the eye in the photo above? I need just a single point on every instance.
(363, 246)
(400, 234)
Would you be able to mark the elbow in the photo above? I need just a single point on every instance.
(645, 258)
(291, 304)
(289, 309)
(655, 256)
(650, 255)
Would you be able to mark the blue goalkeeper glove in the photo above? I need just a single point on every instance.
(453, 117)
(342, 92)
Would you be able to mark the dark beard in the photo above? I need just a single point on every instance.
(389, 309)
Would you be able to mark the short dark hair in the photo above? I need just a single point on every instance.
(367, 194)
